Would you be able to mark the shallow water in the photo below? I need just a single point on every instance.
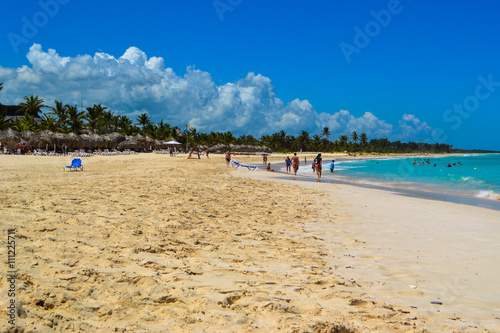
(476, 181)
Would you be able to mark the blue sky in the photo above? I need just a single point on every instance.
(408, 70)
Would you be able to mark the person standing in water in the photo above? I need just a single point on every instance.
(332, 166)
(318, 161)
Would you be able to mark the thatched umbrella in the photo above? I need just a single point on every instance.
(9, 136)
(130, 143)
(85, 140)
(40, 139)
(26, 135)
(72, 140)
(114, 139)
(58, 138)
(149, 142)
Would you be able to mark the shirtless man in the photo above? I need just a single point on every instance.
(295, 163)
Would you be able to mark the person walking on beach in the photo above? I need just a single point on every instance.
(295, 163)
(288, 163)
(206, 153)
(318, 161)
(228, 158)
(264, 159)
(64, 149)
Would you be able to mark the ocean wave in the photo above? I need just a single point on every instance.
(488, 194)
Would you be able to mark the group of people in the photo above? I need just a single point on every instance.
(316, 164)
(293, 163)
(428, 161)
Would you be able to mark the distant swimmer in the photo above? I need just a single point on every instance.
(295, 163)
(434, 166)
(332, 165)
(449, 165)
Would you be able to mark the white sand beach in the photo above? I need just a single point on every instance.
(153, 243)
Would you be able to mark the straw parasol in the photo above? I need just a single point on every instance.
(39, 139)
(9, 136)
(114, 139)
(130, 143)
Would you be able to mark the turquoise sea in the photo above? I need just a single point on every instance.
(469, 175)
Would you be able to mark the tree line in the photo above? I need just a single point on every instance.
(100, 120)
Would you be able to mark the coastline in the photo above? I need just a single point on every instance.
(414, 189)
(150, 242)
(410, 251)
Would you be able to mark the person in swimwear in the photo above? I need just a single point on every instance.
(288, 163)
(269, 167)
(228, 158)
(295, 163)
(332, 166)
(318, 161)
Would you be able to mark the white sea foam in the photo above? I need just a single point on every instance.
(368, 182)
(488, 194)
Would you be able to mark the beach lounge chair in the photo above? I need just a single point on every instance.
(76, 163)
(251, 168)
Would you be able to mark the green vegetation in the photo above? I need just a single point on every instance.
(100, 120)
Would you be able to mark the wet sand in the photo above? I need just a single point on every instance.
(153, 243)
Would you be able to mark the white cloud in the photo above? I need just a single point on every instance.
(413, 129)
(134, 83)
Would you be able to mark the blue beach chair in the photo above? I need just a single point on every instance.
(251, 168)
(76, 163)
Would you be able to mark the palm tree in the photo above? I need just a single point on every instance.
(343, 141)
(228, 138)
(303, 140)
(49, 123)
(32, 105)
(61, 112)
(326, 132)
(1, 86)
(75, 119)
(125, 126)
(143, 119)
(94, 117)
(316, 143)
(26, 123)
(4, 123)
(107, 123)
(163, 130)
(363, 138)
(354, 137)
